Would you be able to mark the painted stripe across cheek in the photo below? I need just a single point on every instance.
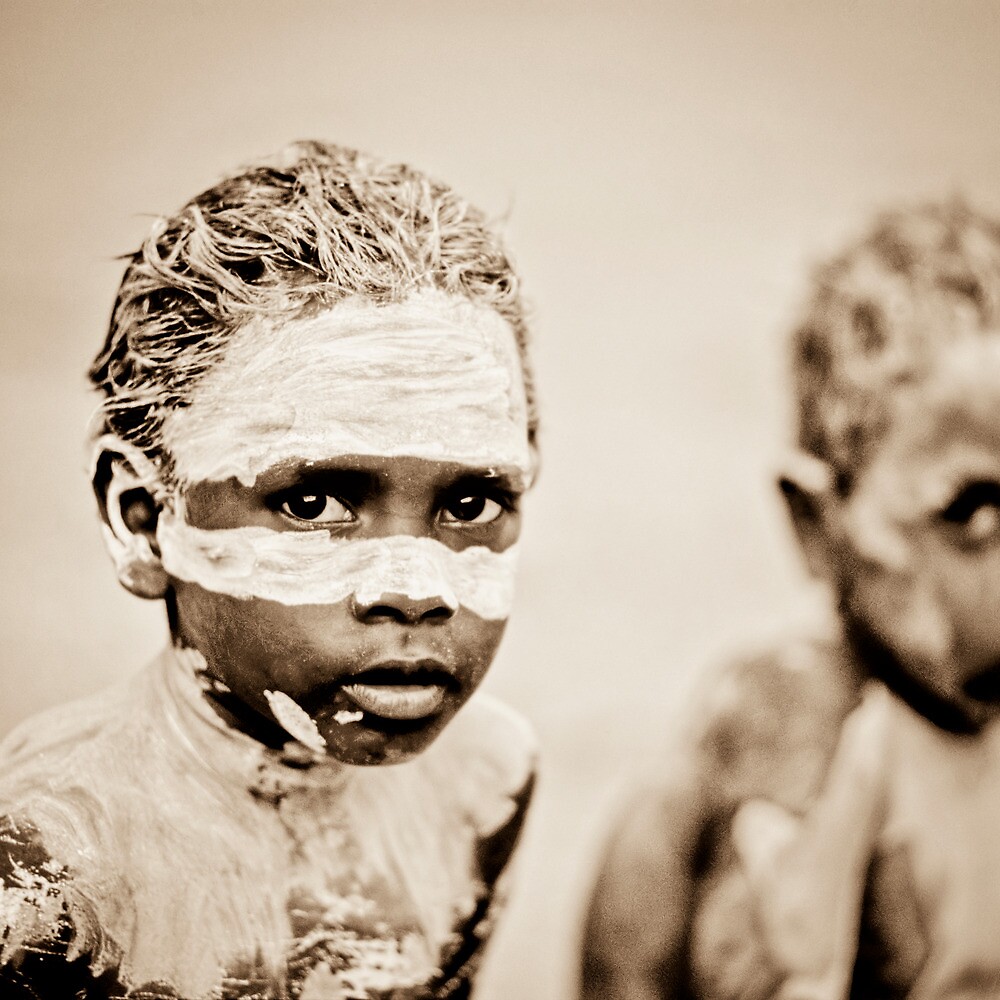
(312, 567)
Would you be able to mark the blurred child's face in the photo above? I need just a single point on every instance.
(346, 536)
(923, 526)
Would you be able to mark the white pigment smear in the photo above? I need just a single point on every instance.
(294, 719)
(345, 717)
(312, 567)
(435, 377)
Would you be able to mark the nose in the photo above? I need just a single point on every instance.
(402, 608)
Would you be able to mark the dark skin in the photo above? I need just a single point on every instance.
(912, 554)
(311, 651)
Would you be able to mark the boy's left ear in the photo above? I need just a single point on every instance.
(535, 459)
(807, 485)
(130, 498)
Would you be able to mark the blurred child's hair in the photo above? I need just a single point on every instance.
(920, 278)
(285, 237)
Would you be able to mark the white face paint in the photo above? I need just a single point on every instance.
(311, 567)
(294, 720)
(434, 377)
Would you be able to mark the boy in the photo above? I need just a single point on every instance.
(318, 424)
(831, 829)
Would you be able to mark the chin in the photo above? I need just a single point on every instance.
(366, 745)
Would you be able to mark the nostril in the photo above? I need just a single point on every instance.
(376, 612)
(402, 609)
(441, 612)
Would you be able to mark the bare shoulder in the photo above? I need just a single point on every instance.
(767, 725)
(41, 953)
(761, 726)
(484, 762)
(764, 725)
(491, 755)
(31, 902)
(62, 729)
(497, 741)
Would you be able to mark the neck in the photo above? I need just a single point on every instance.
(234, 742)
(237, 715)
(881, 662)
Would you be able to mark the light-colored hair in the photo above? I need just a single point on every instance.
(878, 313)
(286, 237)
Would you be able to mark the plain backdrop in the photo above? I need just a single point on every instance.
(666, 175)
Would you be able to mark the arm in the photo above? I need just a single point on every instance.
(493, 855)
(764, 729)
(31, 901)
(35, 929)
(640, 911)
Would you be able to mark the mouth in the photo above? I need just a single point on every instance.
(401, 691)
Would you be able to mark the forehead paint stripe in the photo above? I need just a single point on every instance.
(311, 567)
(434, 377)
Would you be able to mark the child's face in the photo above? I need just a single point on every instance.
(347, 534)
(923, 527)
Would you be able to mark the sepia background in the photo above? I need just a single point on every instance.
(666, 174)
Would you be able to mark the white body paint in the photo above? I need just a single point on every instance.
(295, 720)
(177, 874)
(434, 377)
(311, 567)
(345, 717)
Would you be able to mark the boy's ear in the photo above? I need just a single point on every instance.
(535, 458)
(807, 485)
(130, 498)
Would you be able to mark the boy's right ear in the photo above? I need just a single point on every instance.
(130, 498)
(807, 485)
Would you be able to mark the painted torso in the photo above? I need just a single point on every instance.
(149, 851)
(853, 850)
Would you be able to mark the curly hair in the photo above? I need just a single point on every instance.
(286, 237)
(920, 278)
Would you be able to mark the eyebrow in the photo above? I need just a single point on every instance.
(343, 472)
(301, 475)
(509, 477)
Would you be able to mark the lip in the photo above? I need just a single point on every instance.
(401, 690)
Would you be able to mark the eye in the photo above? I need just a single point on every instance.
(471, 509)
(975, 512)
(316, 508)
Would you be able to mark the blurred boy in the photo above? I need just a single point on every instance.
(830, 831)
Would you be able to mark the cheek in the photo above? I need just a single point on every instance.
(904, 608)
(940, 614)
(477, 640)
(312, 568)
(970, 585)
(252, 644)
(256, 644)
